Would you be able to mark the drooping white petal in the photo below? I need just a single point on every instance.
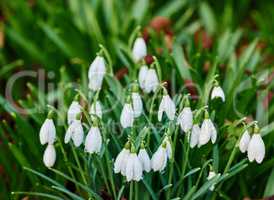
(138, 169)
(96, 109)
(185, 119)
(73, 111)
(168, 147)
(244, 141)
(208, 132)
(139, 50)
(211, 175)
(195, 134)
(137, 104)
(121, 161)
(256, 148)
(96, 73)
(127, 116)
(217, 92)
(167, 106)
(130, 168)
(49, 156)
(151, 81)
(159, 159)
(133, 168)
(93, 142)
(142, 76)
(144, 159)
(47, 132)
(75, 132)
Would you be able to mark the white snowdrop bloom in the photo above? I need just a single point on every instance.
(151, 81)
(256, 148)
(121, 161)
(93, 142)
(75, 132)
(47, 132)
(159, 159)
(137, 104)
(143, 72)
(49, 156)
(217, 92)
(73, 111)
(185, 119)
(195, 134)
(96, 109)
(208, 131)
(127, 116)
(134, 169)
(167, 106)
(96, 73)
(211, 175)
(244, 141)
(144, 159)
(139, 50)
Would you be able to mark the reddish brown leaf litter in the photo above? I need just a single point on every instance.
(160, 23)
(149, 59)
(189, 84)
(202, 37)
(121, 73)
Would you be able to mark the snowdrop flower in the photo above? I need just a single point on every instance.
(136, 101)
(93, 142)
(211, 175)
(143, 72)
(185, 119)
(168, 146)
(49, 156)
(96, 109)
(134, 169)
(144, 159)
(159, 158)
(47, 132)
(75, 132)
(151, 81)
(256, 147)
(208, 131)
(73, 111)
(127, 115)
(96, 73)
(217, 92)
(195, 134)
(139, 50)
(167, 106)
(121, 160)
(244, 141)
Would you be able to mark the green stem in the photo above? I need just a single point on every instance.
(131, 191)
(79, 165)
(104, 174)
(136, 191)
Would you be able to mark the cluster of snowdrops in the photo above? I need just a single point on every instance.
(132, 162)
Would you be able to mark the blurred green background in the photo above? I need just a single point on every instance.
(63, 36)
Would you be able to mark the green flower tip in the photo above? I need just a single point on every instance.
(50, 114)
(206, 115)
(77, 97)
(256, 129)
(127, 145)
(135, 87)
(78, 116)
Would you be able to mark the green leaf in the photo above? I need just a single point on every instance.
(208, 18)
(38, 194)
(269, 189)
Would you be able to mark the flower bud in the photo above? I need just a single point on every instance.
(96, 73)
(49, 156)
(167, 106)
(47, 132)
(139, 50)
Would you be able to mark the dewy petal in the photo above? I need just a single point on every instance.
(96, 73)
(49, 156)
(256, 149)
(145, 160)
(47, 132)
(217, 92)
(96, 109)
(244, 141)
(137, 104)
(78, 133)
(151, 82)
(159, 159)
(68, 133)
(130, 167)
(205, 133)
(213, 135)
(127, 116)
(168, 106)
(139, 50)
(138, 169)
(185, 119)
(195, 134)
(142, 76)
(93, 141)
(73, 111)
(119, 161)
